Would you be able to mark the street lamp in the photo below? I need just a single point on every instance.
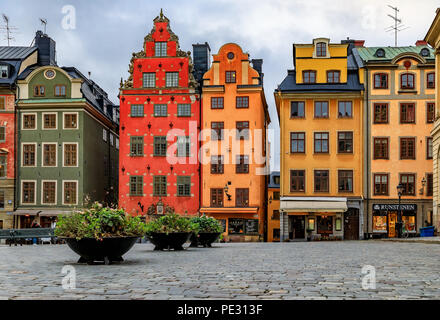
(399, 214)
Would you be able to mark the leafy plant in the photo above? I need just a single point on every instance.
(99, 222)
(171, 223)
(207, 224)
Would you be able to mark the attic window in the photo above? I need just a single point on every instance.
(4, 72)
(160, 49)
(425, 52)
(380, 53)
(321, 49)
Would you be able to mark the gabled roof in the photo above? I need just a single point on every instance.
(15, 53)
(368, 54)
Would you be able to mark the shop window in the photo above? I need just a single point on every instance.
(309, 76)
(311, 224)
(325, 224)
(236, 226)
(297, 142)
(297, 109)
(321, 142)
(430, 112)
(379, 222)
(409, 222)
(321, 109)
(345, 109)
(381, 113)
(338, 224)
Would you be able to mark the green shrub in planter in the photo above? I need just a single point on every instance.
(207, 224)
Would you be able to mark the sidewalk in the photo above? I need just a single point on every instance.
(435, 240)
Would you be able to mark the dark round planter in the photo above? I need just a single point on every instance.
(163, 241)
(108, 250)
(204, 239)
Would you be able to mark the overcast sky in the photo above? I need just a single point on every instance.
(108, 31)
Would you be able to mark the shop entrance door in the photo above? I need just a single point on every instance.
(392, 219)
(26, 222)
(297, 227)
(351, 224)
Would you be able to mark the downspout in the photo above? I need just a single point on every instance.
(16, 139)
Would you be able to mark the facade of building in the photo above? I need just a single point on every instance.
(235, 119)
(67, 143)
(400, 99)
(160, 122)
(273, 207)
(433, 38)
(321, 112)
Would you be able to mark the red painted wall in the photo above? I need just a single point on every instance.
(150, 126)
(7, 119)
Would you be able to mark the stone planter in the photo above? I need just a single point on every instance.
(204, 239)
(163, 241)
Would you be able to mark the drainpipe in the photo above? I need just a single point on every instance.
(16, 146)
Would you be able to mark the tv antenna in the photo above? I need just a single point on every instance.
(398, 26)
(44, 23)
(8, 29)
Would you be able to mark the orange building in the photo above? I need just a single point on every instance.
(273, 207)
(235, 119)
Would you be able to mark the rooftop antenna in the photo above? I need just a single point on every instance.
(8, 29)
(398, 26)
(44, 23)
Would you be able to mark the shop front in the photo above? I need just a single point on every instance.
(385, 217)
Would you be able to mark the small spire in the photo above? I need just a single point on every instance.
(161, 13)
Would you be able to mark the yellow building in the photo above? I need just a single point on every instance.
(320, 107)
(400, 99)
(433, 38)
(273, 207)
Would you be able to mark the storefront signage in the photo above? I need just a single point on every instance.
(252, 226)
(395, 207)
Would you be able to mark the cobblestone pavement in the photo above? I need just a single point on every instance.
(316, 270)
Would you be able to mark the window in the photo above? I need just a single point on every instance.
(104, 135)
(217, 103)
(242, 197)
(380, 148)
(242, 130)
(183, 146)
(49, 192)
(160, 49)
(430, 112)
(4, 72)
(338, 224)
(29, 155)
(407, 113)
(276, 195)
(345, 142)
(39, 91)
(70, 192)
(381, 81)
(242, 165)
(217, 131)
(28, 192)
(297, 180)
(2, 134)
(321, 49)
(309, 76)
(429, 148)
(297, 142)
(321, 142)
(380, 113)
(217, 166)
(297, 109)
(117, 143)
(49, 155)
(70, 121)
(2, 205)
(137, 110)
(321, 180)
(430, 80)
(184, 110)
(160, 146)
(3, 166)
(217, 197)
(380, 184)
(183, 186)
(321, 109)
(160, 186)
(29, 121)
(70, 154)
(136, 186)
(311, 223)
(408, 148)
(60, 90)
(160, 110)
(345, 181)
(230, 77)
(49, 121)
(111, 139)
(407, 81)
(345, 109)
(407, 180)
(242, 102)
(236, 226)
(149, 80)
(429, 184)
(171, 79)
(275, 215)
(136, 146)
(2, 103)
(333, 76)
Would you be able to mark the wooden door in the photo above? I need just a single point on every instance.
(351, 224)
(298, 227)
(392, 219)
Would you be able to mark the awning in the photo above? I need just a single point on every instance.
(24, 212)
(304, 204)
(232, 210)
(52, 213)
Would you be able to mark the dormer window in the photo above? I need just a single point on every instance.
(333, 76)
(160, 49)
(321, 49)
(309, 76)
(60, 90)
(4, 72)
(380, 53)
(425, 52)
(39, 91)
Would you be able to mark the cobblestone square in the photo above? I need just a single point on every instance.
(314, 270)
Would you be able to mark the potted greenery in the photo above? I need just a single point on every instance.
(100, 233)
(209, 231)
(309, 234)
(170, 231)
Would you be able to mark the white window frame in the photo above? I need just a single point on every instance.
(42, 191)
(42, 154)
(104, 134)
(111, 139)
(56, 121)
(64, 121)
(76, 200)
(77, 154)
(22, 154)
(27, 114)
(117, 143)
(35, 193)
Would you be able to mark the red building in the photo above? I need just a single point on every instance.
(159, 126)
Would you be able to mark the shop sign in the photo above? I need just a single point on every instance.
(395, 207)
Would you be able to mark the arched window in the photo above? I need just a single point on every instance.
(407, 81)
(321, 49)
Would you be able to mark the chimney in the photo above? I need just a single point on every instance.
(257, 64)
(359, 43)
(421, 43)
(46, 49)
(202, 60)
